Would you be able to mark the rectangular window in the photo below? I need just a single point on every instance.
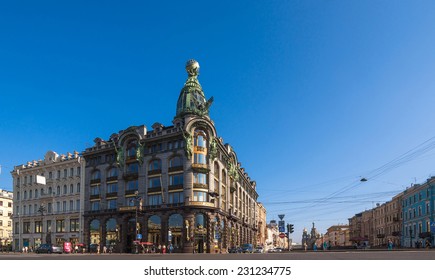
(199, 159)
(71, 205)
(38, 226)
(78, 171)
(26, 227)
(132, 185)
(95, 190)
(155, 199)
(154, 182)
(199, 178)
(60, 225)
(200, 196)
(176, 179)
(49, 225)
(111, 204)
(78, 204)
(112, 188)
(74, 225)
(176, 197)
(17, 228)
(95, 205)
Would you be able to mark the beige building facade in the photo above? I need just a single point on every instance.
(48, 201)
(6, 208)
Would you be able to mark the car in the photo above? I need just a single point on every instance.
(234, 250)
(247, 248)
(259, 249)
(49, 248)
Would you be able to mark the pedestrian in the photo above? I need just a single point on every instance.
(159, 249)
(164, 249)
(171, 248)
(76, 249)
(390, 245)
(305, 246)
(98, 249)
(104, 249)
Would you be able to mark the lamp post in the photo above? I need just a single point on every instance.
(41, 211)
(137, 199)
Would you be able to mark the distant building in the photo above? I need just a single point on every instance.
(418, 209)
(338, 236)
(6, 207)
(262, 225)
(48, 201)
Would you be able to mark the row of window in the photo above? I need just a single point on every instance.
(66, 190)
(412, 230)
(152, 200)
(66, 172)
(60, 207)
(154, 182)
(154, 165)
(74, 226)
(9, 223)
(9, 203)
(412, 213)
(416, 198)
(131, 151)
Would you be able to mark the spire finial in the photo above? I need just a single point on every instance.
(192, 68)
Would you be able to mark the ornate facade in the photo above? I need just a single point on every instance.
(178, 185)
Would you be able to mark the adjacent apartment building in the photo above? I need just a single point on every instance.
(48, 200)
(6, 206)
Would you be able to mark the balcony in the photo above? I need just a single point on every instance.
(154, 190)
(199, 204)
(111, 195)
(94, 196)
(130, 175)
(155, 172)
(95, 181)
(175, 187)
(112, 178)
(175, 169)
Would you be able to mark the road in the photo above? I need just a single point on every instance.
(295, 255)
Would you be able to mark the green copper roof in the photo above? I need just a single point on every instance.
(192, 99)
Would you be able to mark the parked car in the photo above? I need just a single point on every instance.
(235, 250)
(259, 249)
(49, 248)
(247, 248)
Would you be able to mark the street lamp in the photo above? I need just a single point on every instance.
(41, 211)
(137, 199)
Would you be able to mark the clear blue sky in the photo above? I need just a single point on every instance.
(311, 94)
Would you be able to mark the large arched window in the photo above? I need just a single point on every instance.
(175, 162)
(200, 148)
(200, 221)
(154, 228)
(96, 175)
(155, 165)
(95, 232)
(111, 234)
(175, 227)
(112, 173)
(131, 149)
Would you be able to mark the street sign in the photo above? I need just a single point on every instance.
(139, 236)
(281, 229)
(282, 235)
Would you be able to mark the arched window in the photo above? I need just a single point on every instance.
(113, 172)
(95, 231)
(154, 228)
(200, 139)
(131, 149)
(175, 162)
(155, 165)
(176, 227)
(200, 221)
(96, 175)
(111, 234)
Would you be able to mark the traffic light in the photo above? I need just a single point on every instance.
(291, 229)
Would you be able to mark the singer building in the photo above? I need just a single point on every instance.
(177, 185)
